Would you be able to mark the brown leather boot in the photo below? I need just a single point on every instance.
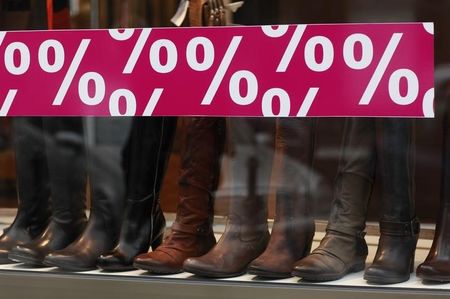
(437, 264)
(343, 249)
(293, 229)
(246, 234)
(191, 233)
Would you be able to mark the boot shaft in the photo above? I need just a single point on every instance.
(33, 186)
(200, 170)
(397, 161)
(441, 241)
(292, 167)
(146, 154)
(67, 168)
(205, 140)
(354, 181)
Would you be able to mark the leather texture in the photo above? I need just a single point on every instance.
(145, 161)
(399, 228)
(34, 210)
(64, 145)
(436, 267)
(293, 228)
(191, 234)
(343, 249)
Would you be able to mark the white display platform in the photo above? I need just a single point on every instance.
(20, 281)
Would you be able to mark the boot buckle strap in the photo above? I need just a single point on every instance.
(346, 231)
(191, 229)
(410, 228)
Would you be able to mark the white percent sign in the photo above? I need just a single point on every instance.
(367, 55)
(96, 95)
(22, 64)
(155, 50)
(194, 46)
(252, 90)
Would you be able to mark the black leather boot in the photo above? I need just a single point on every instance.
(293, 228)
(107, 191)
(343, 249)
(67, 167)
(437, 264)
(148, 150)
(394, 260)
(34, 211)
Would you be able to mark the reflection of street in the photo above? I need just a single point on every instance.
(250, 144)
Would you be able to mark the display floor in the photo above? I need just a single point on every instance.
(18, 281)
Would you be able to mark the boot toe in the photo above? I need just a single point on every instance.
(114, 262)
(158, 262)
(263, 268)
(27, 255)
(384, 274)
(200, 267)
(68, 262)
(434, 271)
(318, 267)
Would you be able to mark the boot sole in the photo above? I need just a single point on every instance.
(121, 268)
(157, 269)
(26, 259)
(357, 267)
(434, 278)
(268, 274)
(68, 267)
(5, 260)
(210, 274)
(385, 279)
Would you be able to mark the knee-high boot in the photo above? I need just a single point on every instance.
(399, 228)
(437, 264)
(293, 228)
(34, 209)
(191, 234)
(147, 154)
(67, 168)
(246, 234)
(343, 249)
(107, 190)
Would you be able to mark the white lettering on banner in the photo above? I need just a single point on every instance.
(272, 71)
(223, 68)
(59, 56)
(8, 102)
(381, 69)
(25, 59)
(208, 54)
(68, 78)
(366, 51)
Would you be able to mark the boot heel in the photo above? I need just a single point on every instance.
(158, 240)
(307, 249)
(411, 263)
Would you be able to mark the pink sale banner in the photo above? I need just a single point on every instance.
(358, 70)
